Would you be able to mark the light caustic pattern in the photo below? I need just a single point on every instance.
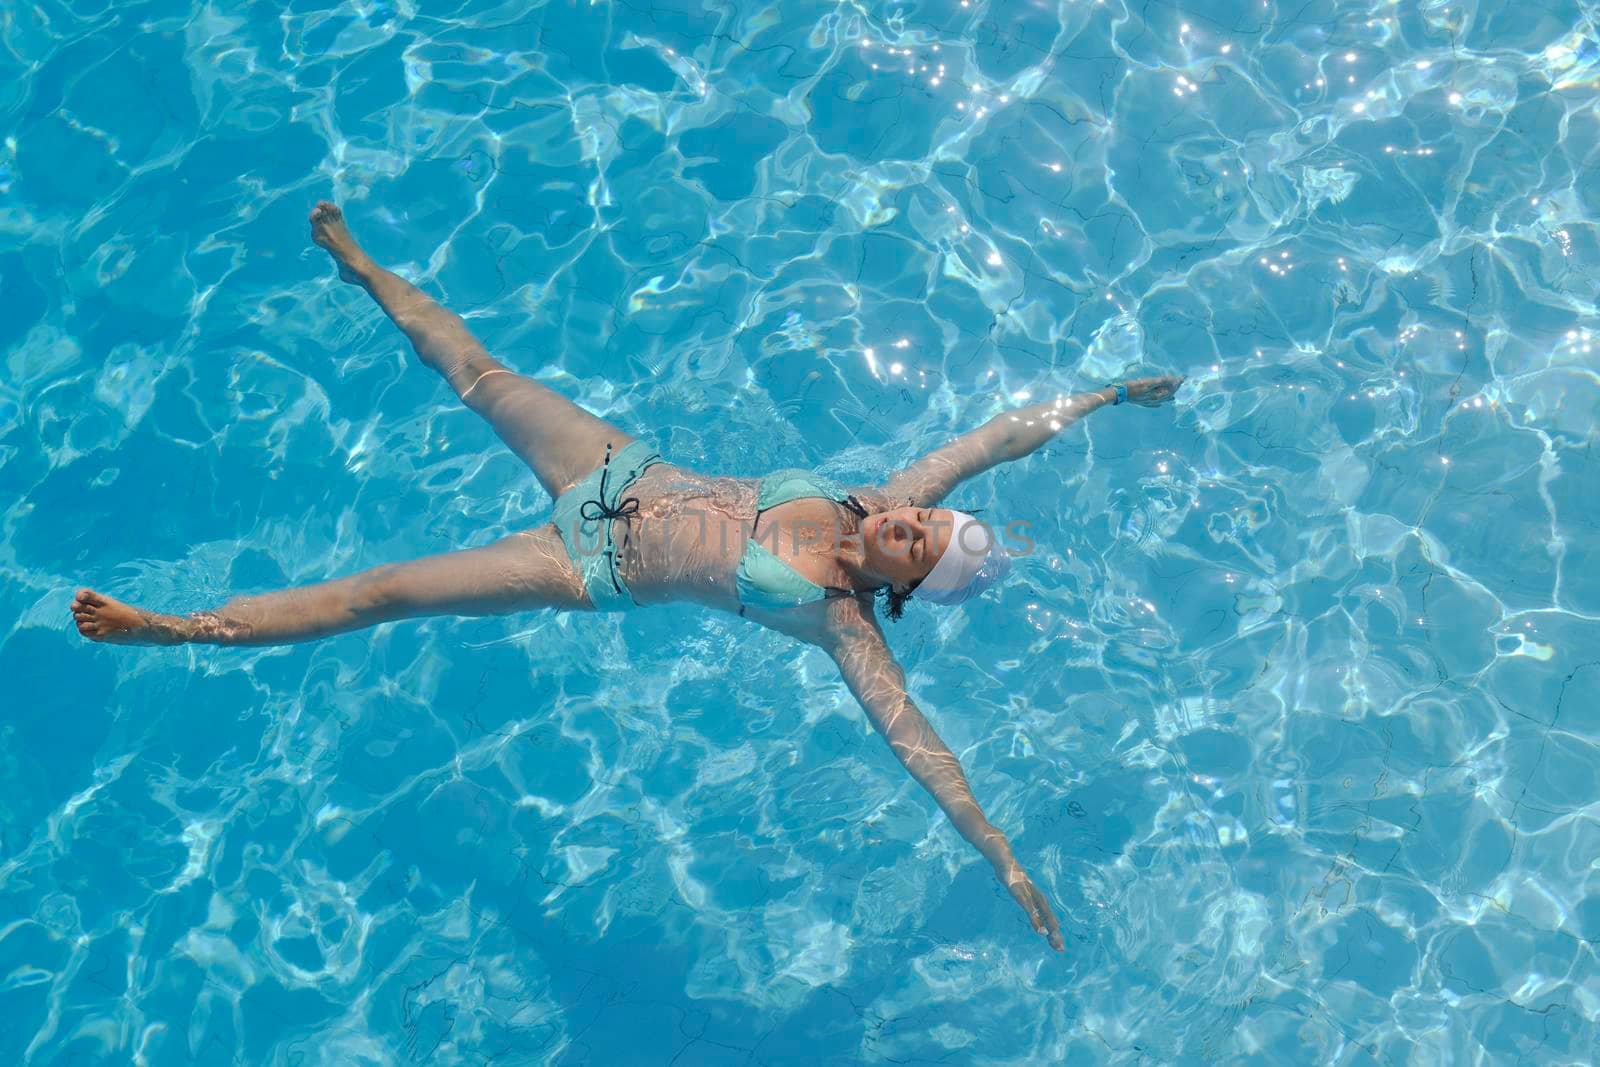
(1290, 713)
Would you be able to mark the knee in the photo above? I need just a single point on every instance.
(466, 366)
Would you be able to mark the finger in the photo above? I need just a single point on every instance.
(1042, 918)
(1028, 898)
(1037, 908)
(1024, 899)
(1052, 928)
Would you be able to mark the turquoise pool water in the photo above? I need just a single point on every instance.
(1291, 713)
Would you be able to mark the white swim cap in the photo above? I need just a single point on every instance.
(972, 561)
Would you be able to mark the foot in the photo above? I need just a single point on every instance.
(329, 231)
(102, 618)
(1153, 392)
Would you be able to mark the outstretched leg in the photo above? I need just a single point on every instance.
(519, 573)
(559, 440)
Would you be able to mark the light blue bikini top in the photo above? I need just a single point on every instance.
(764, 580)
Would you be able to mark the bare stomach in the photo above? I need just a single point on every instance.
(687, 538)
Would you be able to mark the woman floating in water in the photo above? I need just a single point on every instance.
(793, 551)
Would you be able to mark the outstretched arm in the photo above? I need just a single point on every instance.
(877, 681)
(1011, 435)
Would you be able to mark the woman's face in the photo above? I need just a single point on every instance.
(904, 544)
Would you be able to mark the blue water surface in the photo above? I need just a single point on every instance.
(1291, 713)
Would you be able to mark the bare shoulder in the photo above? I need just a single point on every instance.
(851, 621)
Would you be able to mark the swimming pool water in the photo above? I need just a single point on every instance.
(1290, 713)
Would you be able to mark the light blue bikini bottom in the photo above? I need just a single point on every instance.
(584, 514)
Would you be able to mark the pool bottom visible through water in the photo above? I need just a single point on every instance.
(1284, 712)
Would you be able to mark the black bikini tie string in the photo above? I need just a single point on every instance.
(626, 508)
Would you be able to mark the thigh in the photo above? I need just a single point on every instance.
(559, 440)
(523, 572)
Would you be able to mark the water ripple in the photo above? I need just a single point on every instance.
(1286, 712)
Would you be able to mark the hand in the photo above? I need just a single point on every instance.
(1153, 392)
(1015, 879)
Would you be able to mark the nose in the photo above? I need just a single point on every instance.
(908, 530)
